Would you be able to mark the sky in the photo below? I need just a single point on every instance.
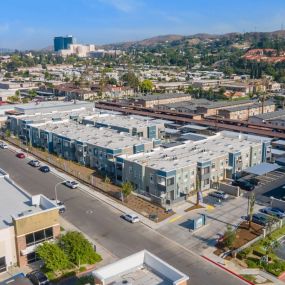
(32, 24)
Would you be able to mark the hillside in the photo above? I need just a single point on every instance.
(169, 39)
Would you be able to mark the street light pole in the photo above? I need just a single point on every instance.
(55, 189)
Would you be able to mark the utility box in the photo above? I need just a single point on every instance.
(197, 222)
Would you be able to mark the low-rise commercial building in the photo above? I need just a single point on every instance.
(139, 268)
(26, 221)
(170, 175)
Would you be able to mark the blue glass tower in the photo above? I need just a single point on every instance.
(60, 43)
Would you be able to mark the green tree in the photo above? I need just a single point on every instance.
(229, 237)
(78, 249)
(112, 81)
(53, 257)
(130, 79)
(127, 188)
(146, 86)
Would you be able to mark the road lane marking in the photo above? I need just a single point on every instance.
(175, 219)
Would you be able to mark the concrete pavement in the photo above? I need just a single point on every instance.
(102, 223)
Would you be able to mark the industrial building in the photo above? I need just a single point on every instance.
(170, 175)
(150, 100)
(26, 221)
(274, 118)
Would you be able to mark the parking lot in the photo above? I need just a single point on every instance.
(229, 212)
(269, 178)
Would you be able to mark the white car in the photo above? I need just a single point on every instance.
(71, 184)
(3, 145)
(132, 218)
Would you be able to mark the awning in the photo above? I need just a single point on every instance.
(262, 168)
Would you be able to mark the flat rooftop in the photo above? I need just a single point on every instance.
(103, 137)
(40, 106)
(151, 97)
(17, 203)
(272, 115)
(192, 152)
(127, 122)
(141, 268)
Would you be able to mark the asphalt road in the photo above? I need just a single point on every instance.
(102, 223)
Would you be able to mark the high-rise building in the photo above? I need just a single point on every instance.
(61, 43)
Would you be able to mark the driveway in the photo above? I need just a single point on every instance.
(228, 212)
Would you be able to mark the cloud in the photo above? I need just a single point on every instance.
(125, 6)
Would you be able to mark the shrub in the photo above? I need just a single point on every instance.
(88, 279)
(252, 262)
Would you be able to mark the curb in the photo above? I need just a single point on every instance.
(228, 270)
(90, 193)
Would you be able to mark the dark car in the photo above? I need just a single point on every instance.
(20, 155)
(44, 169)
(37, 278)
(260, 219)
(243, 184)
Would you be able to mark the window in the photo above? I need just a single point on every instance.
(39, 236)
(151, 178)
(2, 264)
(170, 181)
(206, 182)
(32, 257)
(206, 170)
(213, 165)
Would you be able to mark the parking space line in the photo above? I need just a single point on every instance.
(175, 219)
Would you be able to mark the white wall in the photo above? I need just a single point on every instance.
(7, 245)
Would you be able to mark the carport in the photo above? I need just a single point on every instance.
(262, 168)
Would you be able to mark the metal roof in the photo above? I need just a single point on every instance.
(262, 168)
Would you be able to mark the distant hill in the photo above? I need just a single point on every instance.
(163, 39)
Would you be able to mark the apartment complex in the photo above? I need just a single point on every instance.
(26, 221)
(141, 127)
(170, 175)
(90, 146)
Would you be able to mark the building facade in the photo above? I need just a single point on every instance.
(26, 222)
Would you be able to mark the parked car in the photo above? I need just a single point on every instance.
(38, 278)
(20, 155)
(61, 206)
(260, 219)
(219, 194)
(3, 145)
(34, 163)
(132, 218)
(278, 213)
(44, 168)
(71, 184)
(243, 184)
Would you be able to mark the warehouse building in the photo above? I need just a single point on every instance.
(170, 175)
(274, 118)
(26, 221)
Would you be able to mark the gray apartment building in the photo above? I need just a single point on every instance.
(170, 175)
(90, 146)
(141, 127)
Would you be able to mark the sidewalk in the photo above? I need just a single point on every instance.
(100, 196)
(107, 256)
